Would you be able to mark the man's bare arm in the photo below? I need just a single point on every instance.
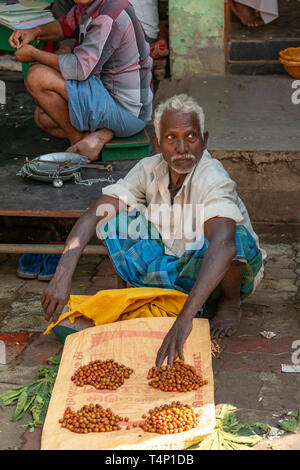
(29, 53)
(222, 249)
(57, 293)
(52, 31)
(220, 232)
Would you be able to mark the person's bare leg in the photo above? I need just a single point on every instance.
(227, 318)
(247, 15)
(48, 88)
(92, 143)
(44, 122)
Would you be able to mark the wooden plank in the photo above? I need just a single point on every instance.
(48, 249)
(42, 213)
(227, 18)
(21, 197)
(138, 140)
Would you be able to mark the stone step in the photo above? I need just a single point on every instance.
(263, 50)
(255, 67)
(258, 57)
(254, 46)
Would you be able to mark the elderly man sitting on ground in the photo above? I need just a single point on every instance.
(102, 88)
(174, 222)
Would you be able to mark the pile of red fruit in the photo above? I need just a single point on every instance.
(91, 418)
(103, 375)
(180, 377)
(170, 419)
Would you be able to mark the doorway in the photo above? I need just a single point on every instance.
(254, 51)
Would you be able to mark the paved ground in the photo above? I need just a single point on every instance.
(247, 373)
(267, 121)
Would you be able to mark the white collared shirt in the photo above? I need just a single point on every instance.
(206, 192)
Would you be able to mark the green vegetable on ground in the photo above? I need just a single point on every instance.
(34, 397)
(229, 434)
(290, 421)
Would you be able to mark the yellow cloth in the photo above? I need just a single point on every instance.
(108, 306)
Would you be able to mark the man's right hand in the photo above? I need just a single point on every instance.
(20, 37)
(56, 295)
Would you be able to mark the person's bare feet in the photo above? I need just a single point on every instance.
(226, 320)
(248, 16)
(92, 144)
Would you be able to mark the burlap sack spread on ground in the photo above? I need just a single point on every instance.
(133, 343)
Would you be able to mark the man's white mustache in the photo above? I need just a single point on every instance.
(186, 156)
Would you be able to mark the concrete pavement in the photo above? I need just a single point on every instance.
(247, 373)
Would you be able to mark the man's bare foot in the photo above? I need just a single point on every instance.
(92, 144)
(248, 16)
(226, 320)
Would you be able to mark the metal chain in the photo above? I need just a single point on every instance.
(26, 172)
(89, 182)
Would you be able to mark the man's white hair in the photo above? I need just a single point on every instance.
(180, 103)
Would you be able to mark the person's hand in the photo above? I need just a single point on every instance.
(25, 53)
(56, 296)
(172, 346)
(21, 37)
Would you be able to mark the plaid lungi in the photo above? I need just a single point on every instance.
(142, 262)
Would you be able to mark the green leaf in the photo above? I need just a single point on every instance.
(289, 424)
(225, 412)
(36, 409)
(54, 359)
(216, 443)
(44, 410)
(229, 434)
(259, 428)
(234, 446)
(33, 389)
(19, 411)
(293, 414)
(41, 401)
(247, 440)
(44, 390)
(29, 403)
(34, 397)
(10, 396)
(206, 443)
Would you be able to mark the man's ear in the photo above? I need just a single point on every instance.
(156, 143)
(205, 138)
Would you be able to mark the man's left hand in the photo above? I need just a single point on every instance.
(172, 346)
(26, 53)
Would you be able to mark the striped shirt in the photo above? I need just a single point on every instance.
(110, 44)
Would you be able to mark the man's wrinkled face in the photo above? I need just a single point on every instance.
(181, 143)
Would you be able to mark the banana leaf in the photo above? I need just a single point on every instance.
(229, 434)
(247, 440)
